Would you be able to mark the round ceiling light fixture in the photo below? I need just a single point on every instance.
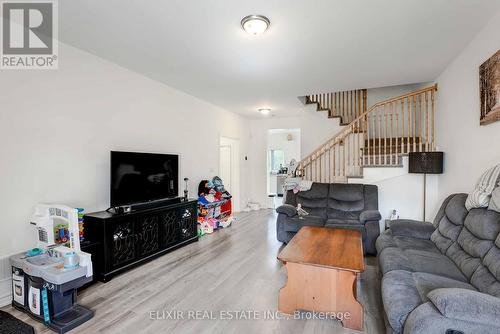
(255, 24)
(265, 111)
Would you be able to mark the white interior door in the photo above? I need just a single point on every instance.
(229, 168)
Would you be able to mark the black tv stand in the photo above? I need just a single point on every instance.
(129, 239)
(146, 205)
(157, 203)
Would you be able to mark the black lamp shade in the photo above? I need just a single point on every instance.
(426, 162)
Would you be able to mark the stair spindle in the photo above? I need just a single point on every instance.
(426, 122)
(421, 121)
(397, 129)
(433, 121)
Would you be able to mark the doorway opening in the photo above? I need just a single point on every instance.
(229, 168)
(283, 145)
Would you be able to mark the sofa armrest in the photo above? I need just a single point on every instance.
(411, 228)
(369, 215)
(467, 305)
(287, 209)
(426, 319)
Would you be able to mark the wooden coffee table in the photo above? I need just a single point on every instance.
(322, 265)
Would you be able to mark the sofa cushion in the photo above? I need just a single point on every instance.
(318, 191)
(486, 278)
(369, 215)
(371, 197)
(412, 228)
(449, 221)
(345, 201)
(475, 240)
(417, 244)
(287, 209)
(315, 200)
(386, 239)
(455, 209)
(290, 198)
(403, 291)
(331, 222)
(441, 211)
(445, 234)
(485, 281)
(345, 192)
(414, 260)
(343, 215)
(293, 224)
(467, 305)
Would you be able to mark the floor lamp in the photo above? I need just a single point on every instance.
(425, 163)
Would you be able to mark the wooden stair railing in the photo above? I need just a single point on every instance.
(376, 137)
(346, 105)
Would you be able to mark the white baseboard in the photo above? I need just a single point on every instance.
(5, 282)
(5, 292)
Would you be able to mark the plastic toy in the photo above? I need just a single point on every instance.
(186, 188)
(45, 279)
(214, 206)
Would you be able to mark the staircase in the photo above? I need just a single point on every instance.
(346, 105)
(376, 137)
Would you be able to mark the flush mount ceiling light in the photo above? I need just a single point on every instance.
(264, 111)
(255, 24)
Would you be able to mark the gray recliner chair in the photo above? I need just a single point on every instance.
(443, 277)
(336, 205)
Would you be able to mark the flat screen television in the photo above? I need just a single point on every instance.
(143, 177)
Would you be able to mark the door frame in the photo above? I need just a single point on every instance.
(234, 145)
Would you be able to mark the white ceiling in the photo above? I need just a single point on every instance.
(197, 46)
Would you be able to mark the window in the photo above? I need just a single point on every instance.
(277, 159)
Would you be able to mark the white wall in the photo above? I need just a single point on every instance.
(278, 140)
(469, 148)
(375, 95)
(57, 128)
(399, 190)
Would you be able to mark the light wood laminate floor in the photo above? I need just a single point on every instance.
(233, 269)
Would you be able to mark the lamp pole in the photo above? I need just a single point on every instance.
(425, 163)
(425, 187)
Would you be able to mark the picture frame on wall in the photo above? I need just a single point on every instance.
(489, 89)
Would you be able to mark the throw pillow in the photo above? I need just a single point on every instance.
(495, 200)
(480, 196)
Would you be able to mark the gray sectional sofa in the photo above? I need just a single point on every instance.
(337, 205)
(442, 277)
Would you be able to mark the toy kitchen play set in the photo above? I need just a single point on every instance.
(45, 279)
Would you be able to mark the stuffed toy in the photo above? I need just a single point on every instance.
(218, 185)
(301, 212)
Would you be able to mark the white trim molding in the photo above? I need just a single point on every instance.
(5, 282)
